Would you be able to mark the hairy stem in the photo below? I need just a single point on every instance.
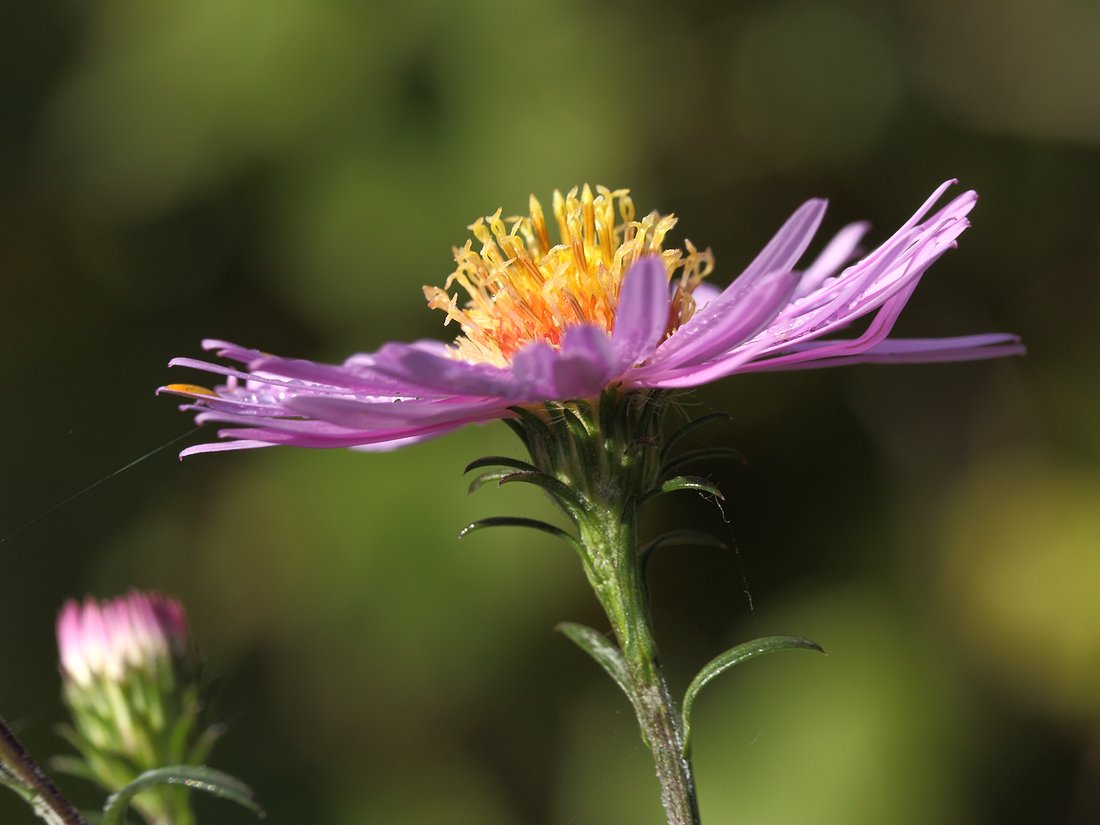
(47, 800)
(603, 457)
(615, 572)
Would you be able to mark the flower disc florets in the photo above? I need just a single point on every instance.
(521, 289)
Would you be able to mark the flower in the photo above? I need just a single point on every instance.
(130, 681)
(606, 306)
(141, 631)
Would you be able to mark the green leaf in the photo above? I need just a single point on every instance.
(695, 483)
(609, 412)
(517, 521)
(571, 429)
(517, 428)
(198, 777)
(680, 537)
(704, 454)
(596, 645)
(204, 744)
(532, 422)
(735, 656)
(500, 461)
(481, 479)
(73, 766)
(570, 500)
(691, 427)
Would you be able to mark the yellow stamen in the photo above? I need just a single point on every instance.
(190, 389)
(522, 289)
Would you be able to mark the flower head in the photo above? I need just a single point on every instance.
(606, 305)
(109, 640)
(130, 674)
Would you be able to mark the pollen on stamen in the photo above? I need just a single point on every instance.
(190, 389)
(522, 288)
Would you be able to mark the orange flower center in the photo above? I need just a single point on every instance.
(522, 289)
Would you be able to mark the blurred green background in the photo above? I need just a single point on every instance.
(288, 173)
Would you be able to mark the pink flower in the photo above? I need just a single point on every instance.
(607, 306)
(105, 640)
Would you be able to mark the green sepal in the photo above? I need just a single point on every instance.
(609, 412)
(680, 537)
(204, 743)
(652, 408)
(73, 766)
(605, 654)
(532, 421)
(518, 521)
(197, 777)
(489, 476)
(691, 427)
(571, 429)
(517, 428)
(500, 461)
(569, 498)
(704, 454)
(695, 483)
(106, 769)
(735, 656)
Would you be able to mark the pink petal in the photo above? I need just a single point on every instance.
(642, 315)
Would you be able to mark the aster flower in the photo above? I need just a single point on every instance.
(141, 631)
(130, 681)
(576, 345)
(606, 306)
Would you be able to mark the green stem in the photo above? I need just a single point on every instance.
(614, 570)
(605, 455)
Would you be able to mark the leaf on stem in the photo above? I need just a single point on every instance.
(556, 489)
(680, 537)
(489, 476)
(704, 454)
(691, 427)
(596, 645)
(735, 656)
(532, 422)
(517, 521)
(198, 777)
(696, 483)
(500, 461)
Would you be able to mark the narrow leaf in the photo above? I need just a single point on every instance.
(699, 485)
(704, 454)
(570, 429)
(691, 427)
(481, 479)
(198, 777)
(609, 412)
(735, 656)
(500, 461)
(532, 421)
(680, 537)
(596, 645)
(73, 766)
(517, 428)
(567, 496)
(517, 521)
(652, 405)
(205, 743)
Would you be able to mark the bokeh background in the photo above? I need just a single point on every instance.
(288, 173)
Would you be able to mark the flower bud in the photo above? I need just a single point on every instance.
(130, 681)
